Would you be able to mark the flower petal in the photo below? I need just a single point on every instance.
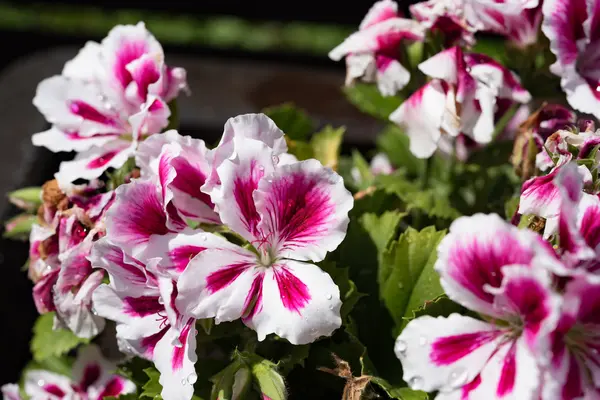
(85, 65)
(43, 292)
(445, 353)
(421, 116)
(176, 363)
(303, 210)
(57, 140)
(391, 75)
(297, 301)
(91, 368)
(471, 257)
(379, 11)
(40, 384)
(10, 391)
(216, 282)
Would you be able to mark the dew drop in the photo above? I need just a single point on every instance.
(275, 160)
(41, 383)
(204, 238)
(329, 296)
(184, 381)
(177, 343)
(400, 285)
(458, 377)
(331, 306)
(415, 383)
(160, 300)
(423, 341)
(192, 378)
(401, 347)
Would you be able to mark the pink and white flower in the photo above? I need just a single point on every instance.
(380, 165)
(373, 53)
(488, 266)
(92, 379)
(573, 29)
(140, 299)
(445, 16)
(461, 98)
(110, 96)
(292, 213)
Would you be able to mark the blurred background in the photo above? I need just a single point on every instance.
(240, 57)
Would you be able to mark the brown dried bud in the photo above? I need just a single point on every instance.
(51, 193)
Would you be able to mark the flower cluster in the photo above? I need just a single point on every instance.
(538, 332)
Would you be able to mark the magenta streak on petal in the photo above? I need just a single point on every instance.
(113, 388)
(383, 62)
(189, 179)
(74, 271)
(101, 161)
(293, 292)
(145, 75)
(508, 374)
(243, 188)
(34, 249)
(141, 215)
(88, 112)
(181, 256)
(573, 388)
(76, 136)
(142, 306)
(449, 349)
(568, 19)
(388, 43)
(299, 209)
(156, 105)
(115, 256)
(91, 373)
(149, 342)
(478, 263)
(385, 14)
(469, 387)
(129, 51)
(54, 390)
(42, 292)
(590, 226)
(179, 352)
(225, 276)
(253, 303)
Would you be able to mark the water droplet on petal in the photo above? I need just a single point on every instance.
(400, 347)
(160, 300)
(329, 296)
(184, 381)
(275, 160)
(415, 383)
(192, 378)
(423, 341)
(41, 382)
(331, 306)
(177, 343)
(204, 238)
(458, 377)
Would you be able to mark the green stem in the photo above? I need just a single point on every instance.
(503, 122)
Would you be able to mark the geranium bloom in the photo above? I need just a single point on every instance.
(59, 246)
(291, 213)
(380, 165)
(140, 300)
(488, 266)
(573, 29)
(94, 105)
(445, 16)
(373, 53)
(92, 379)
(460, 99)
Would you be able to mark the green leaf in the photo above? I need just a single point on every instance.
(294, 122)
(366, 98)
(431, 201)
(326, 145)
(206, 324)
(302, 150)
(382, 228)
(27, 198)
(510, 207)
(130, 396)
(47, 342)
(396, 145)
(364, 170)
(406, 276)
(294, 357)
(152, 388)
(224, 380)
(19, 227)
(441, 306)
(400, 393)
(119, 176)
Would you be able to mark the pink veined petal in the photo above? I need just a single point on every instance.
(43, 292)
(421, 117)
(85, 65)
(216, 282)
(92, 163)
(380, 11)
(57, 140)
(540, 196)
(563, 25)
(10, 391)
(173, 80)
(75, 106)
(74, 308)
(391, 76)
(91, 369)
(145, 71)
(251, 126)
(139, 329)
(303, 210)
(174, 357)
(151, 118)
(75, 267)
(446, 65)
(240, 177)
(299, 302)
(445, 353)
(54, 386)
(472, 255)
(382, 37)
(114, 387)
(136, 215)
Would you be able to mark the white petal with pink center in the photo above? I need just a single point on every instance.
(10, 391)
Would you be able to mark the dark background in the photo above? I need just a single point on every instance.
(281, 33)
